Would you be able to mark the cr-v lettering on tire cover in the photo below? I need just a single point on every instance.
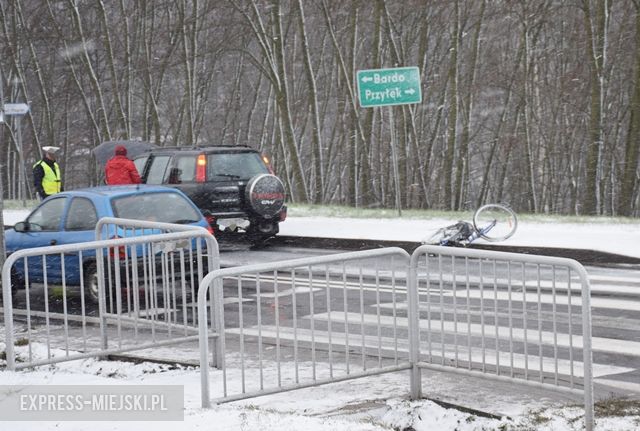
(265, 193)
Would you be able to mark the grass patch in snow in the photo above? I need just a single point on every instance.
(21, 342)
(302, 210)
(617, 407)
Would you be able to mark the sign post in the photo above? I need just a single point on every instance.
(19, 109)
(2, 247)
(390, 87)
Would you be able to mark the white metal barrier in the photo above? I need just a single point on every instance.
(505, 316)
(306, 322)
(518, 318)
(149, 302)
(301, 323)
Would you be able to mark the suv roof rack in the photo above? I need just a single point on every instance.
(200, 147)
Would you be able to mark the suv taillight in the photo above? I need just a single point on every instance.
(201, 168)
(265, 159)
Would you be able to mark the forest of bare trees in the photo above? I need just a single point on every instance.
(531, 102)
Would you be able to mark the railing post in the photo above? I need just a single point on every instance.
(102, 298)
(217, 307)
(203, 342)
(587, 354)
(7, 302)
(414, 330)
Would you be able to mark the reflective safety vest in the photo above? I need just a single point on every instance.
(51, 181)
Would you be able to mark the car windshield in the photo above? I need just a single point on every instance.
(166, 207)
(241, 166)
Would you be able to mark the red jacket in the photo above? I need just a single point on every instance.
(121, 170)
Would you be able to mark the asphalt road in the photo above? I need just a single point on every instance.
(359, 314)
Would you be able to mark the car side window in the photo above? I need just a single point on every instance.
(183, 170)
(48, 216)
(139, 163)
(82, 215)
(157, 169)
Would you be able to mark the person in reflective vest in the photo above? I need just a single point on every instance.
(46, 173)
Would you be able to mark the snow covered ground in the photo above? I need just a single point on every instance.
(621, 239)
(377, 403)
(371, 404)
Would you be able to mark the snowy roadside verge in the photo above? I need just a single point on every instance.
(616, 238)
(620, 239)
(372, 404)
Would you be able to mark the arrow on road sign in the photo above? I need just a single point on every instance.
(367, 79)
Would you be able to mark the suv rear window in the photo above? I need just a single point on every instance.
(242, 166)
(164, 207)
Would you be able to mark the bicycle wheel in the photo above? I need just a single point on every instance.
(495, 222)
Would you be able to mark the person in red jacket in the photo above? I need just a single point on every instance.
(121, 170)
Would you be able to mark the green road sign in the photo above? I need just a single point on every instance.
(385, 87)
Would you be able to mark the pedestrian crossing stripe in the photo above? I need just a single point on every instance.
(387, 347)
(433, 284)
(532, 297)
(462, 328)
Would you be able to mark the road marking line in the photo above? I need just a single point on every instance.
(615, 278)
(434, 279)
(372, 343)
(610, 345)
(226, 300)
(288, 292)
(620, 384)
(545, 284)
(532, 297)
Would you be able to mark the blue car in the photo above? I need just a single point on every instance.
(71, 217)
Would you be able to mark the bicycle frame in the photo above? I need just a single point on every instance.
(455, 238)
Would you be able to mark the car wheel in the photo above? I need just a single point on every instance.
(17, 281)
(262, 231)
(265, 193)
(91, 285)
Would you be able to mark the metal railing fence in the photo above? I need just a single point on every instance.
(150, 299)
(512, 317)
(309, 322)
(503, 316)
(305, 322)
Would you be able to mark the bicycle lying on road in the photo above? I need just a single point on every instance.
(492, 222)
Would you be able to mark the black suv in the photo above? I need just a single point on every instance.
(234, 187)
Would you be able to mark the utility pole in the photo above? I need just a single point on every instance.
(21, 168)
(2, 247)
(18, 109)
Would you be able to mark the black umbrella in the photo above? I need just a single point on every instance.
(106, 150)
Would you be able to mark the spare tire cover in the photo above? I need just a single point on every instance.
(265, 193)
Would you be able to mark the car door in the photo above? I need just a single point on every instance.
(79, 226)
(181, 174)
(140, 163)
(156, 169)
(42, 229)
